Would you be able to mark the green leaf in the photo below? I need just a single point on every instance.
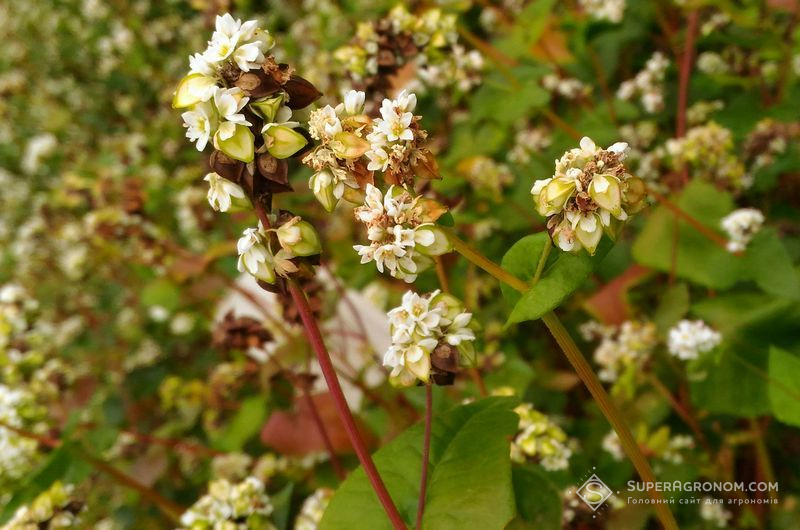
(162, 293)
(282, 507)
(564, 272)
(469, 480)
(521, 260)
(784, 386)
(697, 259)
(673, 306)
(245, 424)
(767, 262)
(538, 500)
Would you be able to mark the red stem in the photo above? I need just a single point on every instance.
(328, 371)
(426, 451)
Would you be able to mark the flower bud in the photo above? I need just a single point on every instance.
(240, 146)
(556, 194)
(605, 191)
(299, 237)
(432, 240)
(634, 195)
(268, 108)
(322, 186)
(282, 141)
(349, 145)
(193, 89)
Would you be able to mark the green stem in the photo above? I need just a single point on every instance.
(584, 371)
(548, 244)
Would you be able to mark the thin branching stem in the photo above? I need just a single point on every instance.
(584, 371)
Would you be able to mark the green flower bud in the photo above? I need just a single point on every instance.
(322, 186)
(299, 237)
(432, 240)
(268, 108)
(240, 146)
(556, 194)
(190, 90)
(349, 145)
(605, 191)
(282, 141)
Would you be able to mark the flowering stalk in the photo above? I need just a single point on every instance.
(584, 371)
(426, 450)
(329, 372)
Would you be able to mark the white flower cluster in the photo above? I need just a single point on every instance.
(610, 10)
(16, 452)
(713, 511)
(540, 438)
(419, 325)
(340, 131)
(648, 84)
(227, 506)
(221, 113)
(396, 140)
(741, 225)
(313, 509)
(622, 347)
(217, 111)
(296, 238)
(528, 142)
(428, 39)
(52, 509)
(708, 151)
(566, 87)
(689, 338)
(401, 230)
(712, 63)
(590, 190)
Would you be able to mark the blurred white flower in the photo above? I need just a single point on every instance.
(688, 339)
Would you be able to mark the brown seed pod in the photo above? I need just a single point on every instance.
(301, 92)
(257, 84)
(275, 175)
(226, 166)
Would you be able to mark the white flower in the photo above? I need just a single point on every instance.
(200, 124)
(254, 257)
(229, 103)
(613, 446)
(395, 122)
(690, 338)
(313, 509)
(378, 159)
(741, 225)
(248, 56)
(417, 326)
(353, 103)
(712, 510)
(324, 123)
(220, 191)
